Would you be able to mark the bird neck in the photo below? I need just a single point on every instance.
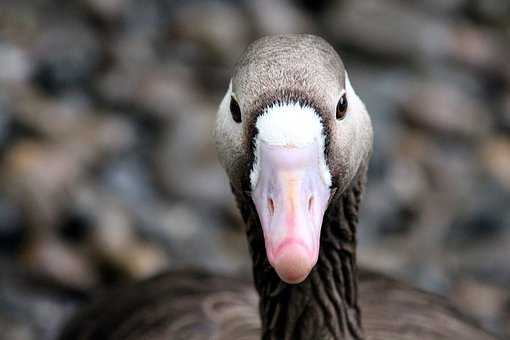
(325, 305)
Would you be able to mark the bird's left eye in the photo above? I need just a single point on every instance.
(235, 110)
(341, 107)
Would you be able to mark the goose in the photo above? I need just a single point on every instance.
(295, 141)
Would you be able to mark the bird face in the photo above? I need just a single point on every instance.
(291, 132)
(290, 185)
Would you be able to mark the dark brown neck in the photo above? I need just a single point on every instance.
(325, 305)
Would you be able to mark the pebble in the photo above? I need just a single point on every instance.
(15, 64)
(5, 119)
(445, 109)
(186, 162)
(115, 243)
(221, 34)
(66, 56)
(495, 155)
(393, 31)
(276, 17)
(109, 10)
(59, 263)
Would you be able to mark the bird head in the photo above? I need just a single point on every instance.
(291, 133)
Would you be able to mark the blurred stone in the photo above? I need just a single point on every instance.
(223, 32)
(495, 154)
(107, 9)
(505, 113)
(407, 181)
(17, 331)
(54, 118)
(128, 179)
(30, 308)
(163, 92)
(71, 124)
(20, 22)
(428, 275)
(443, 108)
(39, 177)
(149, 18)
(196, 236)
(14, 329)
(114, 242)
(186, 160)
(377, 257)
(494, 11)
(5, 119)
(478, 299)
(448, 165)
(506, 318)
(442, 7)
(11, 229)
(485, 259)
(15, 65)
(142, 260)
(388, 29)
(114, 230)
(277, 17)
(59, 263)
(476, 227)
(180, 223)
(480, 47)
(66, 56)
(35, 177)
(133, 53)
(111, 135)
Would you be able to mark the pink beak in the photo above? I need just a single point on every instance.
(291, 198)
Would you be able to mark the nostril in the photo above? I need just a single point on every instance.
(270, 206)
(310, 204)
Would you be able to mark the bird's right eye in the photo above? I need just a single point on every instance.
(341, 107)
(235, 110)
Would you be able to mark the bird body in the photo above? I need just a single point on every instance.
(196, 305)
(295, 141)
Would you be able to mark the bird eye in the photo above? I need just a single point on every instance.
(235, 110)
(341, 107)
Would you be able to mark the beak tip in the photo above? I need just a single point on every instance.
(293, 264)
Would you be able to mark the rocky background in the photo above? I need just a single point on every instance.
(108, 172)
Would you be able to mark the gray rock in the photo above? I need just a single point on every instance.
(66, 56)
(11, 230)
(15, 64)
(276, 17)
(495, 155)
(443, 108)
(109, 10)
(493, 11)
(186, 161)
(480, 47)
(161, 91)
(5, 119)
(222, 34)
(388, 29)
(442, 7)
(29, 310)
(504, 117)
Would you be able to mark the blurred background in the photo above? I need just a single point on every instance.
(108, 171)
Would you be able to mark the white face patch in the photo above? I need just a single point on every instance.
(290, 125)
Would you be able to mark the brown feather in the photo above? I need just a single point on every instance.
(191, 305)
